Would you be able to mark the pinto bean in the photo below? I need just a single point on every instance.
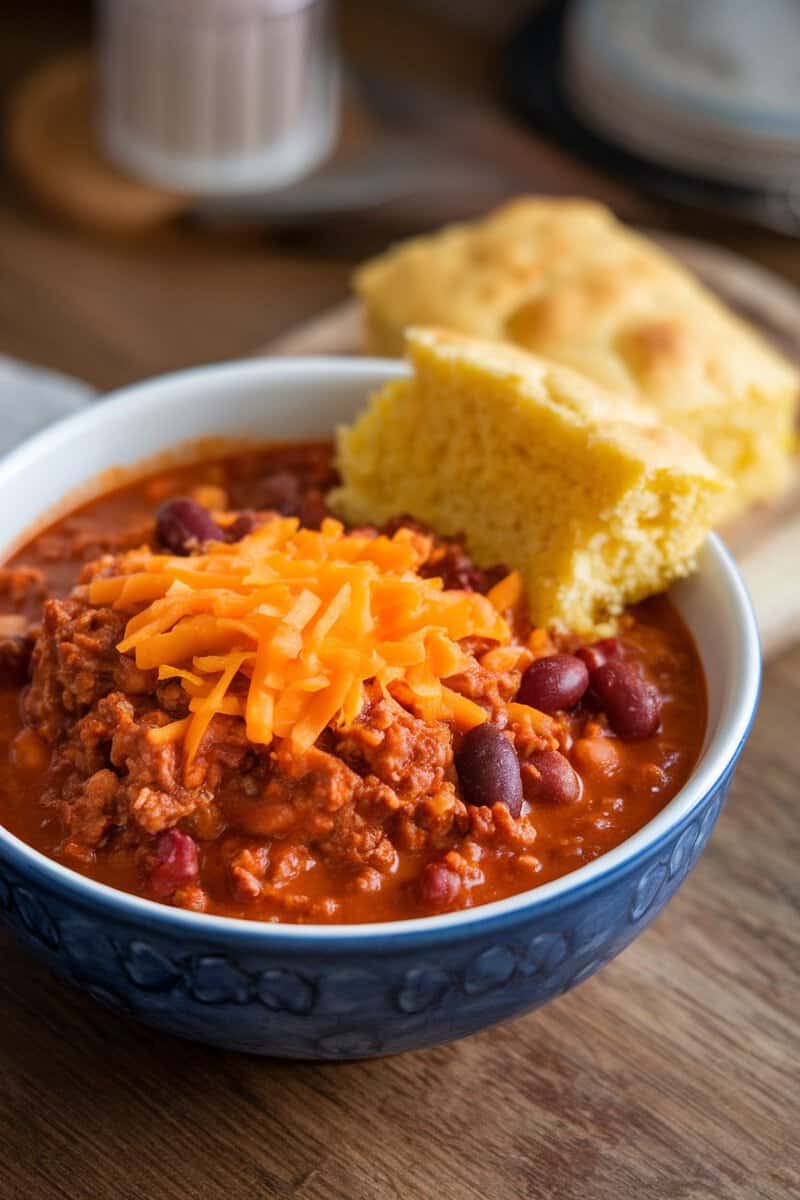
(548, 777)
(631, 703)
(29, 751)
(554, 683)
(488, 769)
(596, 757)
(183, 525)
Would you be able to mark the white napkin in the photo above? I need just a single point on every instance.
(32, 397)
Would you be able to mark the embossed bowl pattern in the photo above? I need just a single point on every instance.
(355, 997)
(339, 992)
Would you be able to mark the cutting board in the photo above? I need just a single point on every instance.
(766, 539)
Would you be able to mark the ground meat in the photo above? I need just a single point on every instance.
(75, 663)
(385, 782)
(107, 774)
(172, 698)
(486, 688)
(22, 585)
(87, 812)
(316, 793)
(448, 559)
(97, 710)
(399, 749)
(285, 492)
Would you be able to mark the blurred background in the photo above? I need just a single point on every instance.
(186, 179)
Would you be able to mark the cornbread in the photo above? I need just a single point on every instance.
(564, 279)
(585, 493)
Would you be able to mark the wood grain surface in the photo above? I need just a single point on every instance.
(673, 1075)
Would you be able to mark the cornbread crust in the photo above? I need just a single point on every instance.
(566, 280)
(594, 501)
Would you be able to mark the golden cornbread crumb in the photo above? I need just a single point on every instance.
(595, 502)
(564, 279)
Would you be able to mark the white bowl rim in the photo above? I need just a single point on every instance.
(714, 762)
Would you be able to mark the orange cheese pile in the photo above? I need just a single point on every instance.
(284, 627)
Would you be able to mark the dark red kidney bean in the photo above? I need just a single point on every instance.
(554, 683)
(554, 781)
(451, 563)
(175, 864)
(15, 658)
(631, 703)
(183, 525)
(244, 524)
(599, 652)
(439, 886)
(281, 491)
(289, 494)
(488, 769)
(313, 509)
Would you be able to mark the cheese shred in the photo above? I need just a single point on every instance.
(285, 627)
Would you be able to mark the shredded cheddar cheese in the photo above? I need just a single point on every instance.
(285, 627)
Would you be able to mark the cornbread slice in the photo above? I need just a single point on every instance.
(563, 278)
(586, 494)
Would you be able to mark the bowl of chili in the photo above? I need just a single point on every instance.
(417, 912)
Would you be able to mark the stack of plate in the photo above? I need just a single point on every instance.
(710, 87)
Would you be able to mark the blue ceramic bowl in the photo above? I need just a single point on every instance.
(336, 992)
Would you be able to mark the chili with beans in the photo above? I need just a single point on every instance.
(547, 753)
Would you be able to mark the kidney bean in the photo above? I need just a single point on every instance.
(15, 658)
(281, 491)
(451, 563)
(599, 652)
(553, 683)
(631, 703)
(244, 524)
(488, 769)
(292, 495)
(313, 509)
(547, 777)
(183, 525)
(175, 863)
(439, 886)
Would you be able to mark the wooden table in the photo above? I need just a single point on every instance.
(673, 1074)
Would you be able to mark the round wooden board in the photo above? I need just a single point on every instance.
(52, 146)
